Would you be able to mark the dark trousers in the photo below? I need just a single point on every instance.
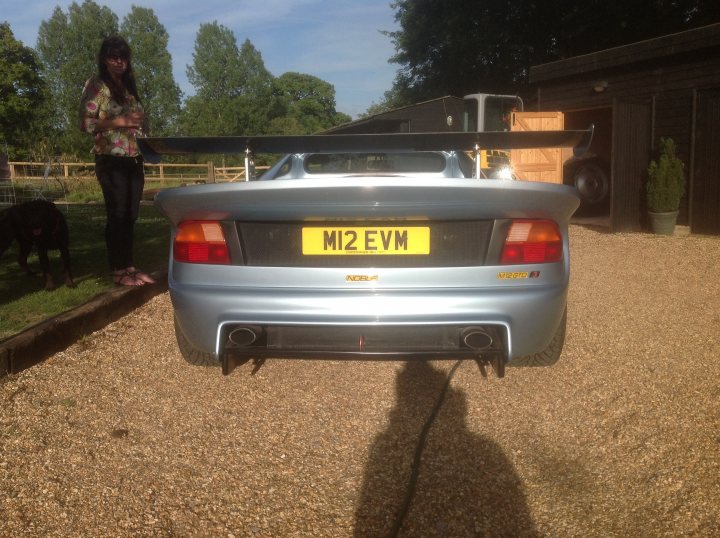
(122, 180)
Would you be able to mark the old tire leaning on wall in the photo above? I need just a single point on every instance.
(592, 183)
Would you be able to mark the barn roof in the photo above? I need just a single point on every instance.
(689, 42)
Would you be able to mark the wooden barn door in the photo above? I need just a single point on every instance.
(630, 160)
(538, 164)
(705, 194)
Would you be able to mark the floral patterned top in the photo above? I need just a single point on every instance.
(97, 103)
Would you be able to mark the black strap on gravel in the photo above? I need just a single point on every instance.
(415, 470)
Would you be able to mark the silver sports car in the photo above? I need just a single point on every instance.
(370, 247)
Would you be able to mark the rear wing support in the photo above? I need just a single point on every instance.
(248, 162)
(476, 160)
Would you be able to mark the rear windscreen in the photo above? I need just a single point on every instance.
(374, 163)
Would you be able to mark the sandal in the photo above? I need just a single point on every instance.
(126, 278)
(139, 275)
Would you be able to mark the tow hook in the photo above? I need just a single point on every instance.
(228, 363)
(498, 364)
(495, 360)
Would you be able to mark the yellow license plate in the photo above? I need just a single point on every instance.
(366, 240)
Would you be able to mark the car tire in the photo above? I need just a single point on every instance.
(550, 354)
(190, 353)
(592, 183)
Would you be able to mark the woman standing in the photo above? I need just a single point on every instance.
(111, 111)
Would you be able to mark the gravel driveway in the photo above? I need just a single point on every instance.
(118, 436)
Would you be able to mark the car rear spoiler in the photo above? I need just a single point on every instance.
(153, 148)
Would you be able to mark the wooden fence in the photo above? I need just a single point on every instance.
(164, 172)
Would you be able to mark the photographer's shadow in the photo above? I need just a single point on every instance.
(465, 485)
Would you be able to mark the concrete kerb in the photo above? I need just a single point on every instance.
(37, 343)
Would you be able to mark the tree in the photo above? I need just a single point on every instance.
(308, 101)
(217, 75)
(235, 93)
(68, 45)
(341, 117)
(22, 95)
(152, 65)
(209, 117)
(216, 71)
(258, 99)
(391, 99)
(257, 81)
(466, 46)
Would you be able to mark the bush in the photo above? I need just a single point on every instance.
(666, 184)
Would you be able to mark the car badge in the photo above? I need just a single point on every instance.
(360, 278)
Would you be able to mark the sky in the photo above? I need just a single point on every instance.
(339, 41)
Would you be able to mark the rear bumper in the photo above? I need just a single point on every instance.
(369, 324)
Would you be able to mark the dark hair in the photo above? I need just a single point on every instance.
(115, 46)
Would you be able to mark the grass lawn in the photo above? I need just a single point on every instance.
(23, 300)
(81, 190)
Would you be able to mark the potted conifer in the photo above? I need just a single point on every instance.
(665, 188)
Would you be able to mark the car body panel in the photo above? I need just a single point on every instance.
(520, 305)
(530, 315)
(371, 198)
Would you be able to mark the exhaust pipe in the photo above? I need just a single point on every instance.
(243, 336)
(476, 338)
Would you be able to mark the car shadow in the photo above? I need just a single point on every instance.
(464, 484)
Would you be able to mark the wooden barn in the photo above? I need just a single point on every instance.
(636, 94)
(436, 115)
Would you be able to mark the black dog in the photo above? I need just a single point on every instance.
(37, 223)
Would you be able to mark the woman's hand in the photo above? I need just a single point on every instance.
(133, 120)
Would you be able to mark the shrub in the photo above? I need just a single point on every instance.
(666, 184)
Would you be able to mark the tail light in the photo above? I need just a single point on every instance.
(532, 241)
(201, 242)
